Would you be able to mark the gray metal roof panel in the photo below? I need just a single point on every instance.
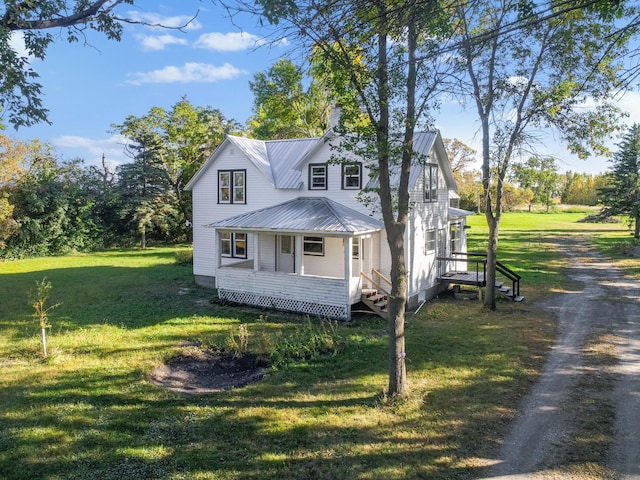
(304, 214)
(283, 155)
(458, 212)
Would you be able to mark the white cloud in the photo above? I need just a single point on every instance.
(16, 41)
(184, 22)
(228, 42)
(159, 42)
(188, 73)
(91, 150)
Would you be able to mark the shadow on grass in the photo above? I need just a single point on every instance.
(318, 419)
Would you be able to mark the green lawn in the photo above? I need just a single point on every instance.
(90, 411)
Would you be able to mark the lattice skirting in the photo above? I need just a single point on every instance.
(311, 308)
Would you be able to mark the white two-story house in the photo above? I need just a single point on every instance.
(277, 224)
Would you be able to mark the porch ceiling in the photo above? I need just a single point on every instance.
(304, 214)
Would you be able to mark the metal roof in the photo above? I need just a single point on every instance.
(423, 144)
(274, 158)
(458, 212)
(304, 214)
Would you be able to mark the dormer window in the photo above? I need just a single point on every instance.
(351, 176)
(318, 176)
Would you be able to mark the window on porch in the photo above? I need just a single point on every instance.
(233, 245)
(313, 246)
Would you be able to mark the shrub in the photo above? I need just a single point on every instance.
(184, 257)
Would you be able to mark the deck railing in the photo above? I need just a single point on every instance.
(481, 259)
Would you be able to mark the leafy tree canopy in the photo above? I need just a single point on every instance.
(283, 107)
(622, 194)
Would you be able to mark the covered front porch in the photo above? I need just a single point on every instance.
(304, 255)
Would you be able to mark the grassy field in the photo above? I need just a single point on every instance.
(90, 411)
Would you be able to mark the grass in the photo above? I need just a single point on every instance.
(89, 410)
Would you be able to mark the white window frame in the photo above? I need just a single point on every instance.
(455, 237)
(430, 241)
(352, 177)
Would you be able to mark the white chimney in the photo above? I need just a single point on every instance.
(334, 115)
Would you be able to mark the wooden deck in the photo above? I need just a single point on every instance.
(464, 278)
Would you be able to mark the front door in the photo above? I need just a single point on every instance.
(285, 261)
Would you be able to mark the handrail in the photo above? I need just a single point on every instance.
(380, 287)
(376, 272)
(500, 267)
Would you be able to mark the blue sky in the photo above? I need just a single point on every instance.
(88, 87)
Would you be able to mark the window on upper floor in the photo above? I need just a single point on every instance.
(318, 176)
(231, 186)
(430, 172)
(233, 244)
(351, 176)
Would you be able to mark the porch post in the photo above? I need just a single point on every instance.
(298, 256)
(348, 248)
(217, 250)
(256, 252)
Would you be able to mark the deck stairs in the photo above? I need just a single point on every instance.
(376, 296)
(507, 293)
(475, 274)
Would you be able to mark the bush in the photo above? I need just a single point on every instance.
(184, 257)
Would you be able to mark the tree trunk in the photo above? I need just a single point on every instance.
(492, 257)
(143, 238)
(397, 305)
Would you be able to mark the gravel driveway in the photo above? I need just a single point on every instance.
(582, 418)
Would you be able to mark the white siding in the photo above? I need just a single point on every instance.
(331, 264)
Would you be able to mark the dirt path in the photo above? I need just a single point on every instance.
(582, 419)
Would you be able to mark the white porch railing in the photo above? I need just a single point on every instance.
(322, 296)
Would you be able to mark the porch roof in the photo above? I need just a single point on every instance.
(318, 215)
(458, 213)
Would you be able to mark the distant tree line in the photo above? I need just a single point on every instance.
(50, 206)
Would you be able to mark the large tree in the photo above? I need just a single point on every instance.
(177, 141)
(369, 53)
(283, 107)
(622, 194)
(530, 67)
(540, 175)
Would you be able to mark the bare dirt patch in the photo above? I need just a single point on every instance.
(196, 370)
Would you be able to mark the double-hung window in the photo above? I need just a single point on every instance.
(318, 176)
(231, 186)
(233, 245)
(429, 241)
(430, 182)
(455, 237)
(351, 176)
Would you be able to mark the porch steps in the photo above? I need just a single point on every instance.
(376, 301)
(507, 293)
